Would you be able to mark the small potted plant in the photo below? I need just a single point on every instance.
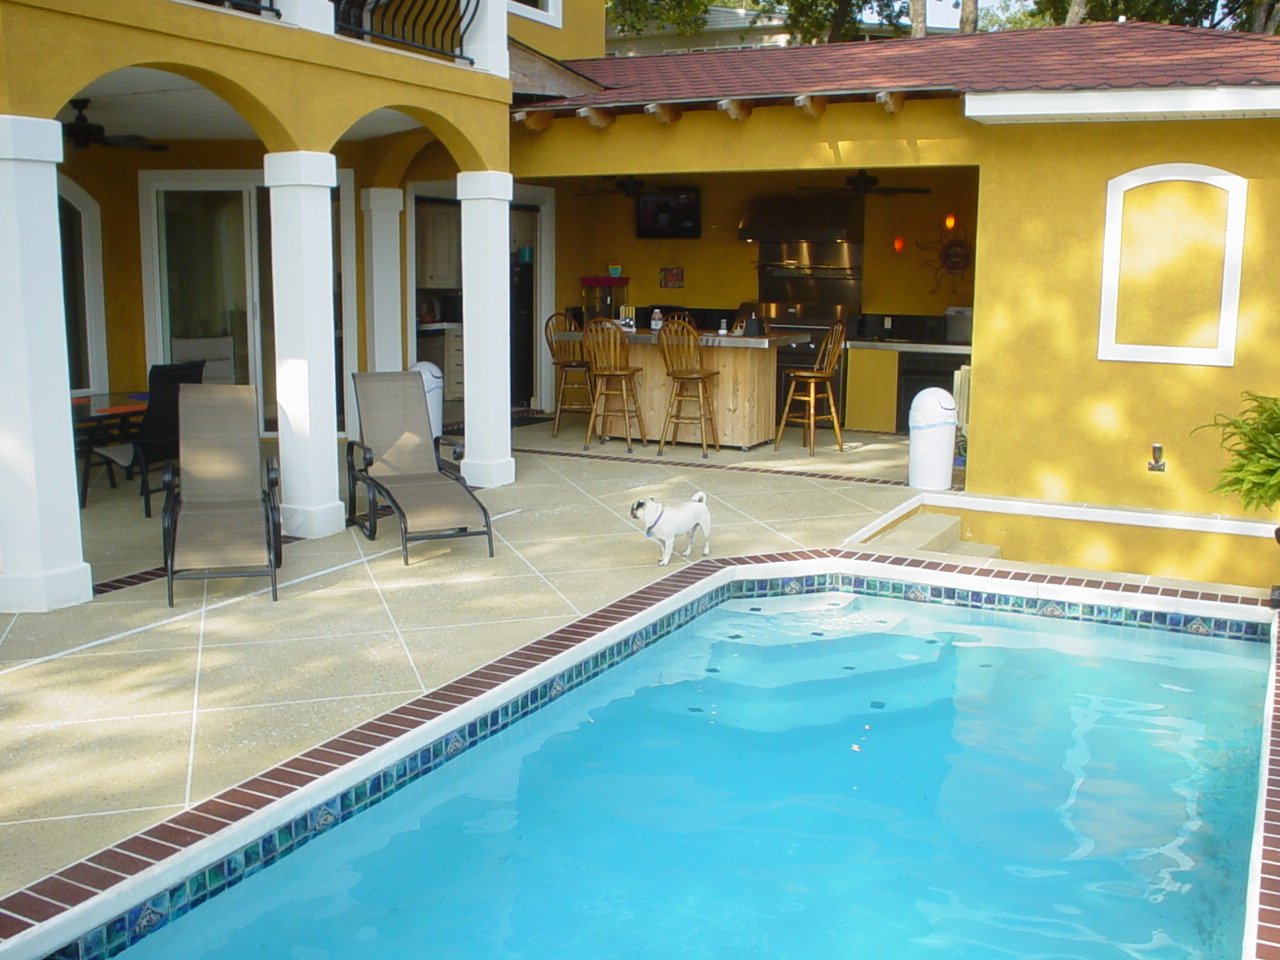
(1252, 441)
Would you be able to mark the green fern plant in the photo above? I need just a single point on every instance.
(1252, 441)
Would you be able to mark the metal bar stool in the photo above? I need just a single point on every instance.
(573, 373)
(690, 383)
(809, 380)
(604, 344)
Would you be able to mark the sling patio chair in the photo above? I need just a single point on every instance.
(156, 440)
(399, 463)
(220, 519)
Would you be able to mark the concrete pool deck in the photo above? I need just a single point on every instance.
(119, 713)
(122, 714)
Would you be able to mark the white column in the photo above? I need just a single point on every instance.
(302, 280)
(486, 326)
(383, 289)
(314, 15)
(41, 562)
(486, 40)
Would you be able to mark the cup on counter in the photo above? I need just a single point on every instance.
(724, 327)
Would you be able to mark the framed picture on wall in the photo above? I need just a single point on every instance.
(671, 213)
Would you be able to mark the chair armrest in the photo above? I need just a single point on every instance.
(366, 458)
(273, 474)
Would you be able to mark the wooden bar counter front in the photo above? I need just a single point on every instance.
(744, 393)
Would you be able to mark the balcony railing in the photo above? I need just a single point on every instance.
(436, 26)
(248, 6)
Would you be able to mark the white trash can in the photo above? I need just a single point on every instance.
(433, 384)
(932, 439)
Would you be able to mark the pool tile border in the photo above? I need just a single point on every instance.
(79, 883)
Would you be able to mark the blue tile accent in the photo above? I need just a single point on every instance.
(111, 938)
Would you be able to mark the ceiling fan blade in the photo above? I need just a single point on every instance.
(133, 141)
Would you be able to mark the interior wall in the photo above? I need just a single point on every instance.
(597, 225)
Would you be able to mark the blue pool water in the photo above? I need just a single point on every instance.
(851, 777)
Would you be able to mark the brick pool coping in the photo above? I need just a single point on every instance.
(45, 900)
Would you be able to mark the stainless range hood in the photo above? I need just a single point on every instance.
(812, 218)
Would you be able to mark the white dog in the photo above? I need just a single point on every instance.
(665, 523)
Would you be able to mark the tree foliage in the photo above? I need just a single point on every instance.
(1256, 16)
(808, 21)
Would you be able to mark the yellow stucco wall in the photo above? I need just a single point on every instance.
(296, 88)
(1048, 419)
(299, 90)
(580, 33)
(1178, 554)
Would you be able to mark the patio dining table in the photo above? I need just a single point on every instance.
(99, 419)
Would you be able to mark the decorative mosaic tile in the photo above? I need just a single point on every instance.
(114, 936)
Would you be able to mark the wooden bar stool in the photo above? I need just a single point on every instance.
(604, 344)
(809, 380)
(573, 373)
(690, 383)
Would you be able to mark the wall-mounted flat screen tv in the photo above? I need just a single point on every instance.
(670, 213)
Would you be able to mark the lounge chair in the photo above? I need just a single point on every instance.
(220, 519)
(400, 464)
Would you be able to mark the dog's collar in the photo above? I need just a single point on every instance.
(648, 531)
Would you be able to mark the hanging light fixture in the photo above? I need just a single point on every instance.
(949, 221)
(898, 243)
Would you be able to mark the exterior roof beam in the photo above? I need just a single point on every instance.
(665, 112)
(736, 109)
(598, 117)
(535, 120)
(891, 100)
(813, 106)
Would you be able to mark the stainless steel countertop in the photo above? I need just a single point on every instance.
(959, 349)
(713, 339)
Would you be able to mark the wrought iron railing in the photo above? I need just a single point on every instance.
(436, 26)
(249, 6)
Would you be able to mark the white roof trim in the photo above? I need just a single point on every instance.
(1083, 106)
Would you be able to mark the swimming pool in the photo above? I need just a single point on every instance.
(848, 864)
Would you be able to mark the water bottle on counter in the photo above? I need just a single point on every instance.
(724, 327)
(655, 320)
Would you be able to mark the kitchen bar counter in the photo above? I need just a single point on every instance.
(744, 394)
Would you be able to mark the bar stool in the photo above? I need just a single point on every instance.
(822, 373)
(604, 344)
(573, 373)
(690, 383)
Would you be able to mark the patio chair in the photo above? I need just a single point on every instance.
(156, 440)
(399, 463)
(220, 519)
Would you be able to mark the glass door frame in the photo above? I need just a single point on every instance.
(152, 182)
(91, 273)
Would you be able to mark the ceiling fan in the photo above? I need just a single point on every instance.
(627, 186)
(863, 183)
(83, 133)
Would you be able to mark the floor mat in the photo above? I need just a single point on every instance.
(520, 420)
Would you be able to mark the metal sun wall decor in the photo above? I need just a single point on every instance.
(953, 257)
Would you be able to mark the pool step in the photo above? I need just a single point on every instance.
(931, 533)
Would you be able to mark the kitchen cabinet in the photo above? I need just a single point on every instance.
(438, 237)
(884, 377)
(452, 366)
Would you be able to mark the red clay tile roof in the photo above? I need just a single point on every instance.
(1098, 56)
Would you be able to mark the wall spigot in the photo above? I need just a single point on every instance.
(1157, 463)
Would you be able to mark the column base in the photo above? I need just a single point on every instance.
(489, 473)
(311, 523)
(51, 590)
